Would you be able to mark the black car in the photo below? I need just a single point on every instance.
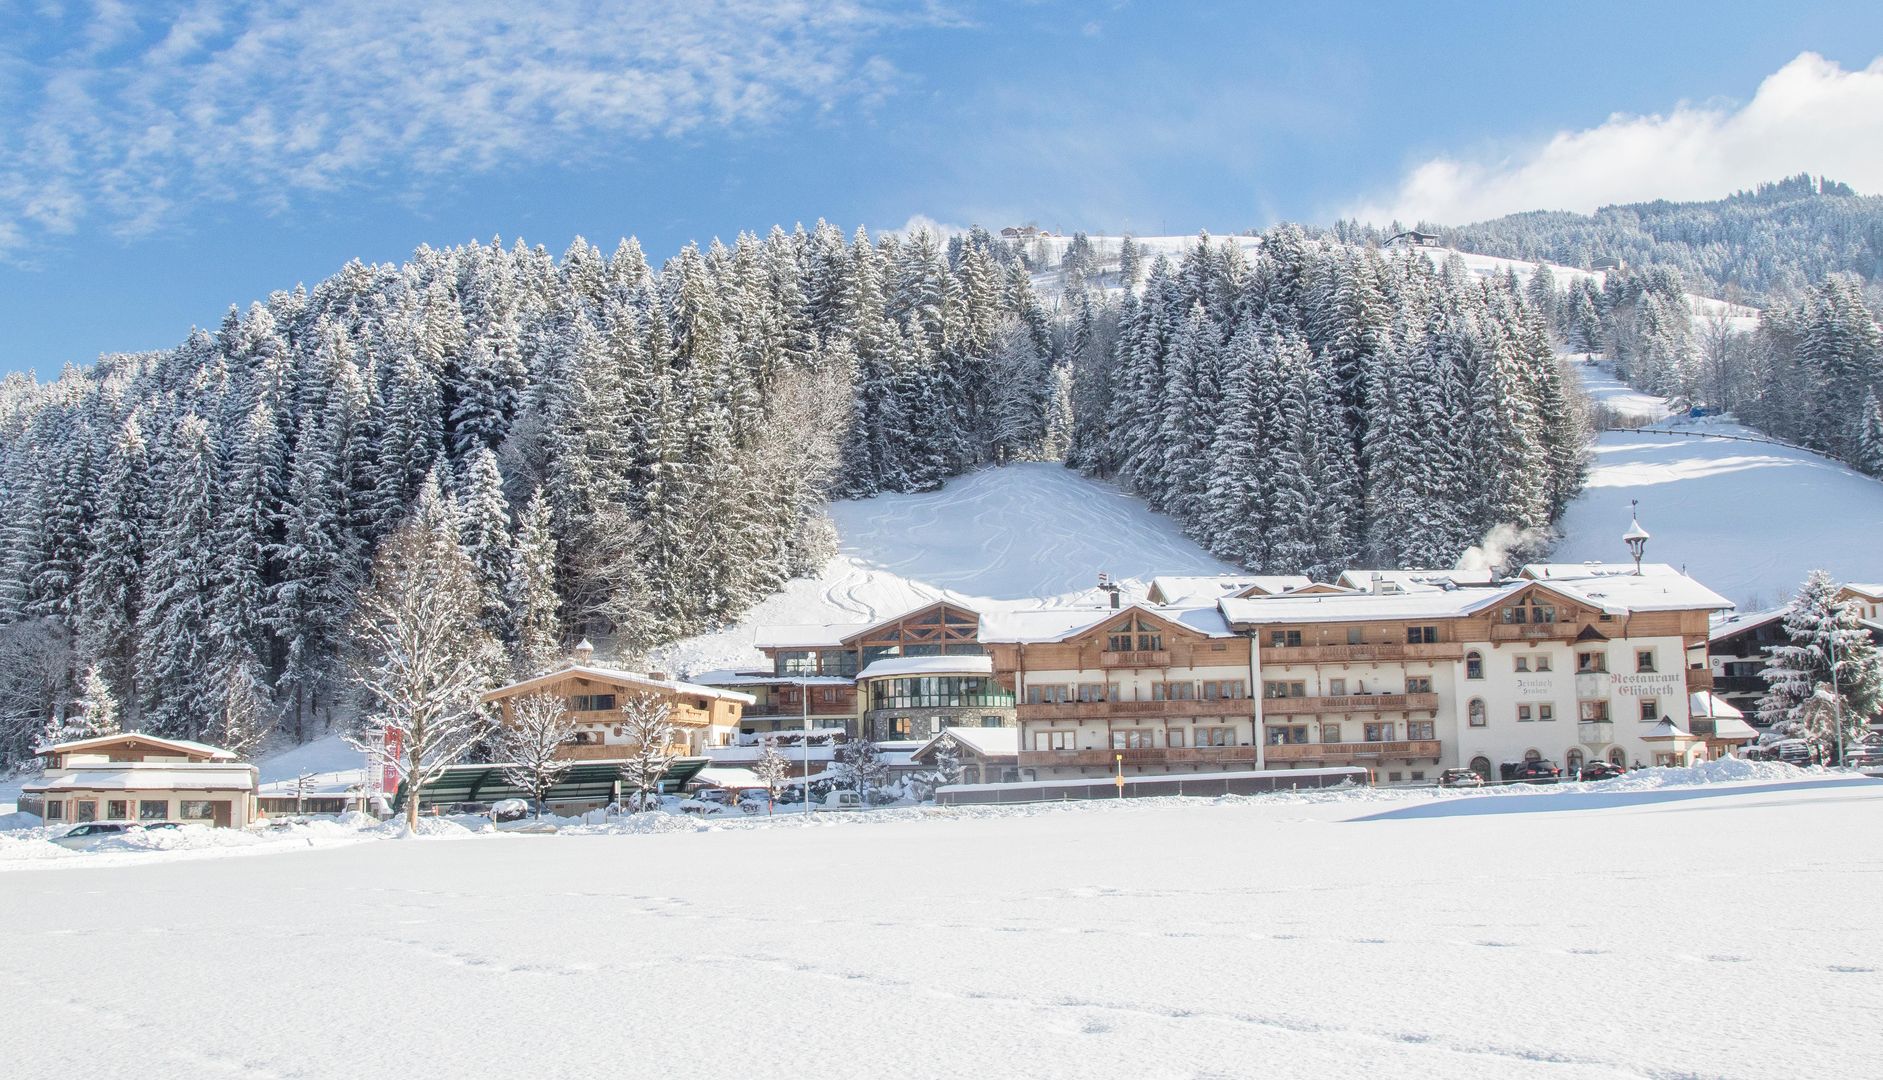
(1536, 772)
(1460, 778)
(1601, 770)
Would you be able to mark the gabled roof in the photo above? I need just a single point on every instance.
(1867, 590)
(1061, 624)
(1704, 704)
(1617, 589)
(1415, 580)
(995, 742)
(601, 674)
(869, 628)
(1739, 623)
(130, 738)
(1350, 607)
(1668, 728)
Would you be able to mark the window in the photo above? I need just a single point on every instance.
(591, 702)
(1135, 634)
(1593, 712)
(1421, 730)
(1421, 635)
(1131, 739)
(1591, 663)
(1284, 639)
(901, 727)
(1523, 714)
(1523, 663)
(1572, 762)
(922, 650)
(1356, 636)
(1418, 684)
(1650, 710)
(1542, 662)
(1173, 691)
(1093, 691)
(795, 662)
(1475, 712)
(1284, 689)
(1337, 687)
(1053, 740)
(1481, 766)
(1644, 660)
(1546, 712)
(991, 721)
(153, 809)
(1175, 738)
(196, 810)
(1379, 732)
(1118, 642)
(1394, 778)
(1048, 694)
(1418, 775)
(1216, 736)
(1284, 734)
(1330, 733)
(1532, 612)
(1225, 690)
(1474, 665)
(55, 810)
(117, 809)
(1618, 756)
(87, 810)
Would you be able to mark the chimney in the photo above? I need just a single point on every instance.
(1106, 584)
(584, 652)
(657, 676)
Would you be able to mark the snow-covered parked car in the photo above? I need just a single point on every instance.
(755, 802)
(510, 810)
(1460, 778)
(92, 833)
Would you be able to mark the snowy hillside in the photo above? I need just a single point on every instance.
(1749, 518)
(1026, 535)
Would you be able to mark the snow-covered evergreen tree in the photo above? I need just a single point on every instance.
(1828, 672)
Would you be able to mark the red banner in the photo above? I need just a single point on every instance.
(394, 741)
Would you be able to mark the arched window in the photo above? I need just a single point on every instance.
(1617, 756)
(1481, 766)
(1475, 712)
(1474, 665)
(1533, 755)
(1572, 763)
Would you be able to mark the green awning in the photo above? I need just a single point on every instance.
(588, 781)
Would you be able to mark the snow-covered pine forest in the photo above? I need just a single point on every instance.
(637, 456)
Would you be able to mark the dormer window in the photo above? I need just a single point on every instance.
(1134, 634)
(1530, 612)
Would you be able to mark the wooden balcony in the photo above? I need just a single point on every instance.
(1699, 679)
(1139, 658)
(1091, 710)
(606, 751)
(1352, 703)
(1339, 753)
(1138, 758)
(1361, 654)
(610, 718)
(1549, 631)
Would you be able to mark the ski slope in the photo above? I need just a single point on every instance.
(1617, 930)
(1748, 518)
(1027, 535)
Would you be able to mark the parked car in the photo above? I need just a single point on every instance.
(510, 810)
(1864, 756)
(756, 801)
(80, 837)
(1460, 778)
(714, 795)
(1601, 770)
(842, 800)
(1536, 772)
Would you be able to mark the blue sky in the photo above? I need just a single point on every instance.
(161, 161)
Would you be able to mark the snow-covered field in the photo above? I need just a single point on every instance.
(1748, 518)
(1635, 930)
(1024, 535)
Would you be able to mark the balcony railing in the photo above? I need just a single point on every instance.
(1190, 755)
(1352, 703)
(1699, 679)
(1345, 654)
(1075, 710)
(1139, 658)
(1548, 631)
(1595, 732)
(1739, 684)
(1353, 751)
(818, 708)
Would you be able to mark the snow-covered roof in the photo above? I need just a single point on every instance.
(724, 776)
(1738, 623)
(181, 746)
(1704, 703)
(204, 776)
(928, 665)
(1191, 589)
(1869, 590)
(617, 676)
(1732, 727)
(766, 678)
(1058, 624)
(1616, 588)
(1668, 728)
(805, 635)
(1414, 580)
(1343, 607)
(988, 742)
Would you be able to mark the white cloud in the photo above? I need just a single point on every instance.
(922, 223)
(1809, 116)
(121, 119)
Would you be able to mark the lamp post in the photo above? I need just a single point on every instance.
(1636, 537)
(1120, 779)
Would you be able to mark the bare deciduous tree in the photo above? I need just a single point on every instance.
(533, 735)
(647, 722)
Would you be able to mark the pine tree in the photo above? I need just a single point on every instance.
(1829, 671)
(176, 655)
(534, 606)
(484, 530)
(1869, 456)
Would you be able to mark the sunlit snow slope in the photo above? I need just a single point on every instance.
(1025, 535)
(1748, 518)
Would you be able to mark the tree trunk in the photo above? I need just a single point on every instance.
(411, 791)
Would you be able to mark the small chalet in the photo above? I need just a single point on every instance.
(986, 755)
(702, 716)
(135, 777)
